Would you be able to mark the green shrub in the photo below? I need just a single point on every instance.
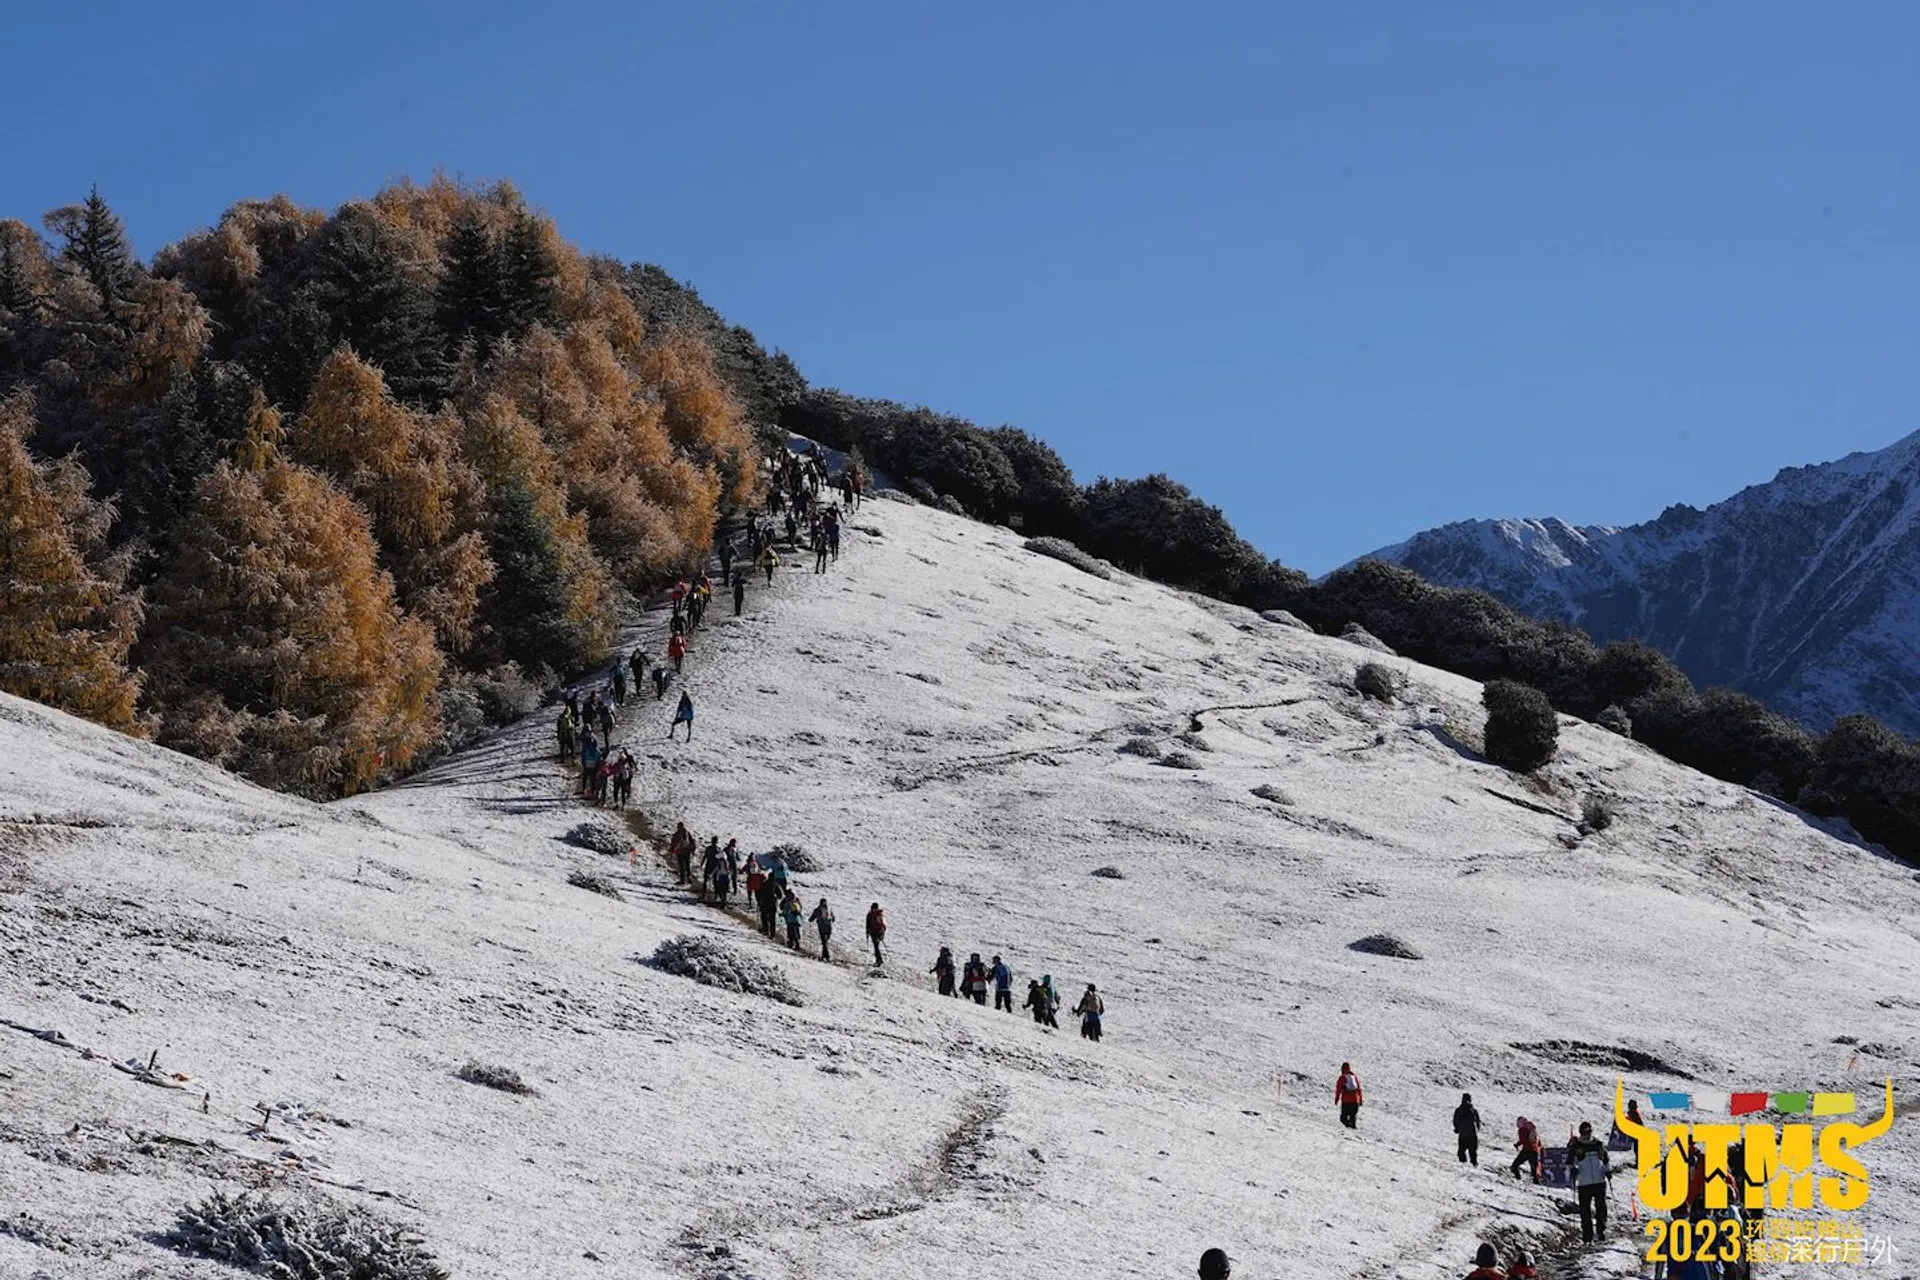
(1375, 681)
(1523, 730)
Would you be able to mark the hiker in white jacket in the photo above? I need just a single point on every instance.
(1587, 1157)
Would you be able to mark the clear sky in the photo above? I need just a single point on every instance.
(1347, 269)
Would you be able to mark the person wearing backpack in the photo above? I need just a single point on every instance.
(1522, 1268)
(767, 897)
(876, 931)
(973, 980)
(1053, 1000)
(683, 714)
(768, 560)
(822, 918)
(1527, 1143)
(681, 846)
(677, 651)
(1587, 1157)
(1037, 1001)
(1091, 1010)
(943, 971)
(1347, 1092)
(1466, 1125)
(793, 912)
(1002, 985)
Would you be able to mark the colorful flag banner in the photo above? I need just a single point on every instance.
(1832, 1104)
(1745, 1104)
(1671, 1101)
(1791, 1104)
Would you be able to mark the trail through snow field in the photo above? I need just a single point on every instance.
(938, 720)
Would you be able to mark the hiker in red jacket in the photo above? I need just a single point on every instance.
(676, 650)
(1346, 1091)
(1527, 1143)
(1522, 1268)
(1486, 1265)
(681, 847)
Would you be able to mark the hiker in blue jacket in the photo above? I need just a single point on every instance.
(1002, 985)
(682, 715)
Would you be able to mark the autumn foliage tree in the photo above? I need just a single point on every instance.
(66, 618)
(278, 647)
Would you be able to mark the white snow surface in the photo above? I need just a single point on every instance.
(937, 719)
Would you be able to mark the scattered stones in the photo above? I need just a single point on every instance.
(1109, 873)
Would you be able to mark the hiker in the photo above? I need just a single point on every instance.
(819, 553)
(709, 865)
(1587, 1157)
(791, 911)
(1527, 1142)
(1466, 1123)
(677, 627)
(681, 847)
(589, 761)
(1091, 1009)
(767, 898)
(1215, 1265)
(603, 777)
(1037, 1001)
(776, 870)
(833, 539)
(726, 561)
(623, 778)
(573, 705)
(1522, 1268)
(682, 715)
(739, 594)
(1486, 1265)
(637, 662)
(1002, 985)
(606, 721)
(768, 560)
(619, 684)
(679, 596)
(676, 650)
(822, 918)
(973, 979)
(1053, 1000)
(566, 734)
(1347, 1092)
(876, 931)
(943, 971)
(660, 679)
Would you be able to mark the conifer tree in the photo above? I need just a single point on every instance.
(277, 647)
(379, 308)
(472, 298)
(529, 275)
(93, 243)
(66, 619)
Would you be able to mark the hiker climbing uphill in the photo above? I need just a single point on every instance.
(822, 918)
(1038, 1002)
(943, 971)
(676, 650)
(1527, 1143)
(682, 715)
(1466, 1126)
(793, 912)
(768, 560)
(1091, 1010)
(1587, 1157)
(1002, 984)
(739, 594)
(973, 979)
(766, 896)
(876, 932)
(1053, 1000)
(1347, 1092)
(681, 846)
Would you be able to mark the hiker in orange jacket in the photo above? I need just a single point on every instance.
(1527, 1143)
(676, 650)
(1346, 1091)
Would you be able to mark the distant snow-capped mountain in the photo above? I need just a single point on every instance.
(1804, 592)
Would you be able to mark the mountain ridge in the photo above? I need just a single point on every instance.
(1803, 591)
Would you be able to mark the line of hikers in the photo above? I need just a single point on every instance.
(972, 980)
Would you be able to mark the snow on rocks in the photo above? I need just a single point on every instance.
(714, 963)
(1062, 550)
(1354, 633)
(1285, 618)
(1109, 873)
(305, 1239)
(1385, 944)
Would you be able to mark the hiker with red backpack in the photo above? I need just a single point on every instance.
(1527, 1142)
(1346, 1092)
(1486, 1265)
(681, 846)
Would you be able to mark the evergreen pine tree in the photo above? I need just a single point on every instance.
(530, 279)
(472, 298)
(66, 619)
(528, 606)
(379, 309)
(17, 295)
(94, 243)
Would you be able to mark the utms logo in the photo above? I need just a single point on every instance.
(1778, 1161)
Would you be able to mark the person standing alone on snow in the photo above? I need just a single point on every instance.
(822, 918)
(1587, 1157)
(1002, 985)
(876, 931)
(1346, 1091)
(1466, 1124)
(682, 715)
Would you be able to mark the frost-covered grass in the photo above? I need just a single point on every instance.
(1061, 549)
(718, 964)
(307, 1239)
(505, 1079)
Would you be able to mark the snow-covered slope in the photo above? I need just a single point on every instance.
(1804, 591)
(939, 721)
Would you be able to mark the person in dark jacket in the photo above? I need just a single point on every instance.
(683, 714)
(767, 897)
(681, 847)
(1038, 1001)
(1092, 1009)
(1466, 1125)
(822, 918)
(973, 979)
(726, 561)
(876, 931)
(943, 971)
(739, 594)
(1486, 1265)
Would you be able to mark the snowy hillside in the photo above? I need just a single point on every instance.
(1804, 591)
(939, 720)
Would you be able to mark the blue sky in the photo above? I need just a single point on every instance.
(1347, 269)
